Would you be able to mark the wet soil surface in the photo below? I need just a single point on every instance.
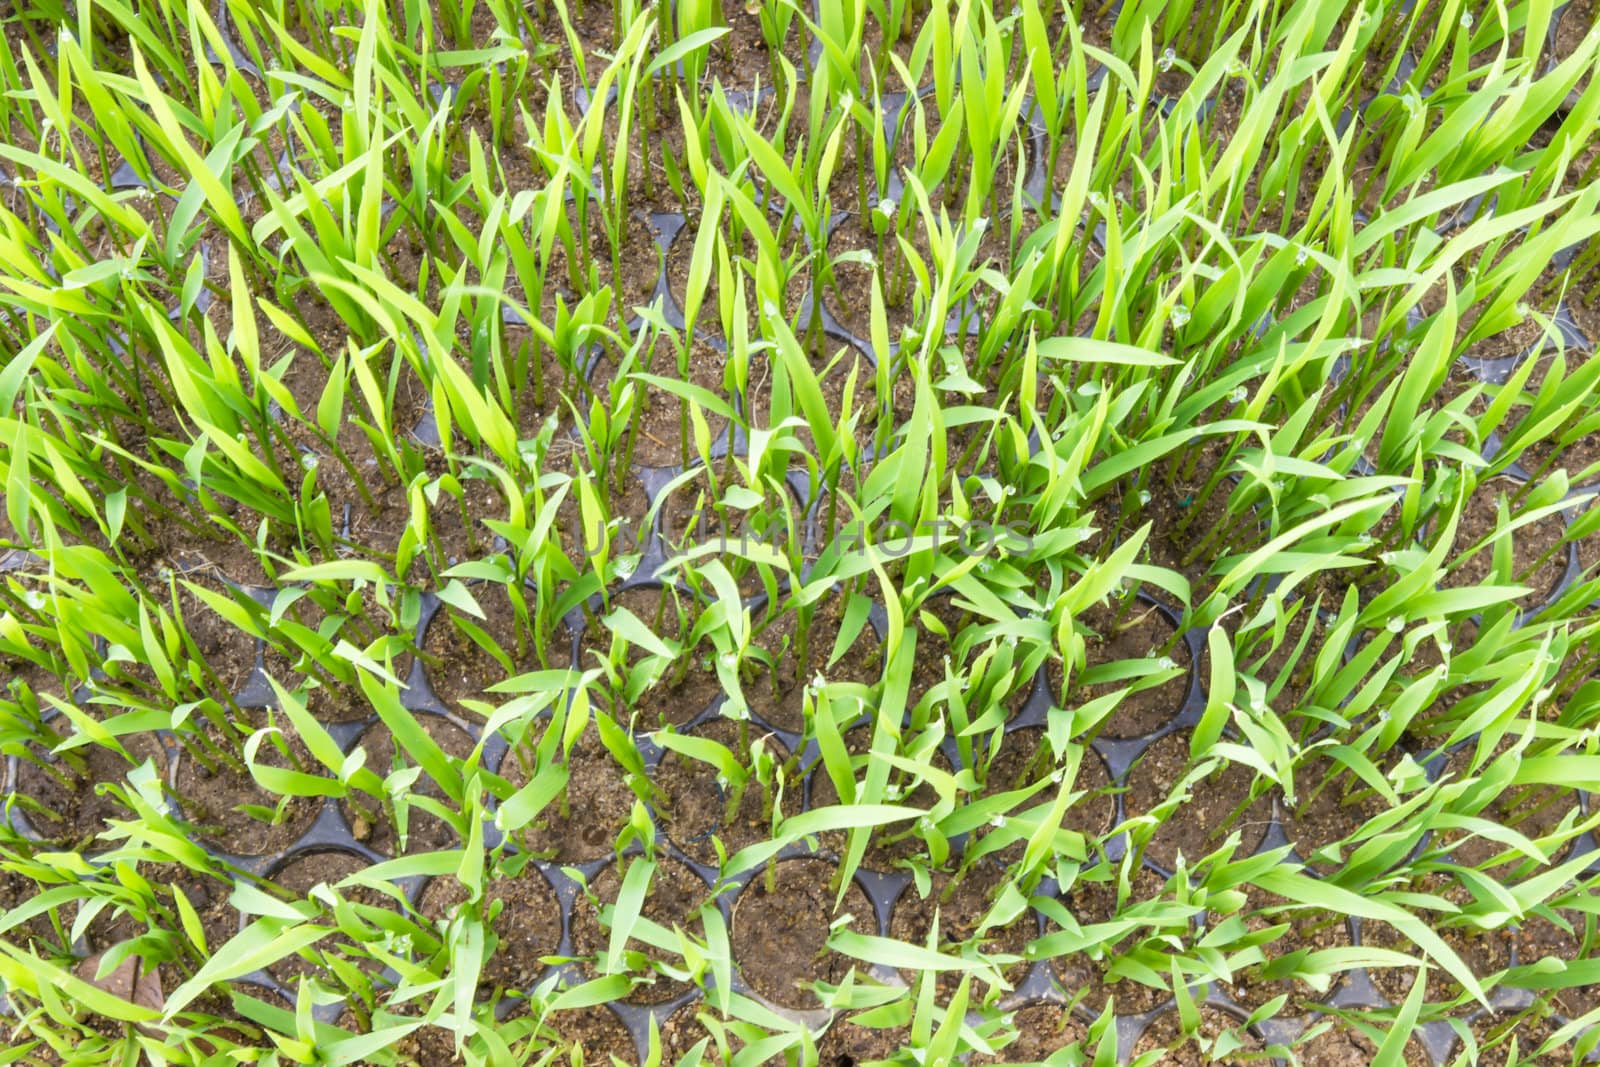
(780, 931)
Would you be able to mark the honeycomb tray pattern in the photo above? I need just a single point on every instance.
(331, 830)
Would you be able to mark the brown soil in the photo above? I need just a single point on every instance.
(1431, 18)
(1532, 811)
(835, 365)
(228, 651)
(1218, 804)
(780, 931)
(694, 803)
(457, 526)
(687, 685)
(896, 841)
(849, 296)
(1573, 24)
(1007, 170)
(675, 700)
(332, 705)
(620, 493)
(294, 641)
(1509, 343)
(1172, 84)
(1585, 308)
(211, 801)
(959, 907)
(691, 516)
(742, 57)
(309, 624)
(1495, 1034)
(527, 929)
(683, 1030)
(37, 933)
(219, 919)
(674, 899)
(631, 279)
(373, 822)
(598, 782)
(708, 320)
(1308, 931)
(1221, 123)
(209, 897)
(595, 1033)
(1096, 902)
(1183, 1050)
(369, 623)
(1327, 811)
(1182, 538)
(658, 433)
(431, 1045)
(1458, 383)
(1530, 336)
(70, 810)
(1342, 1045)
(593, 28)
(1120, 645)
(942, 636)
(775, 693)
(224, 1029)
(459, 667)
(1539, 938)
(1485, 952)
(587, 828)
(1042, 1030)
(297, 879)
(1538, 558)
(879, 70)
(895, 407)
(666, 612)
(307, 378)
(1024, 758)
(646, 150)
(1277, 666)
(1588, 549)
(1565, 449)
(550, 382)
(848, 1043)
